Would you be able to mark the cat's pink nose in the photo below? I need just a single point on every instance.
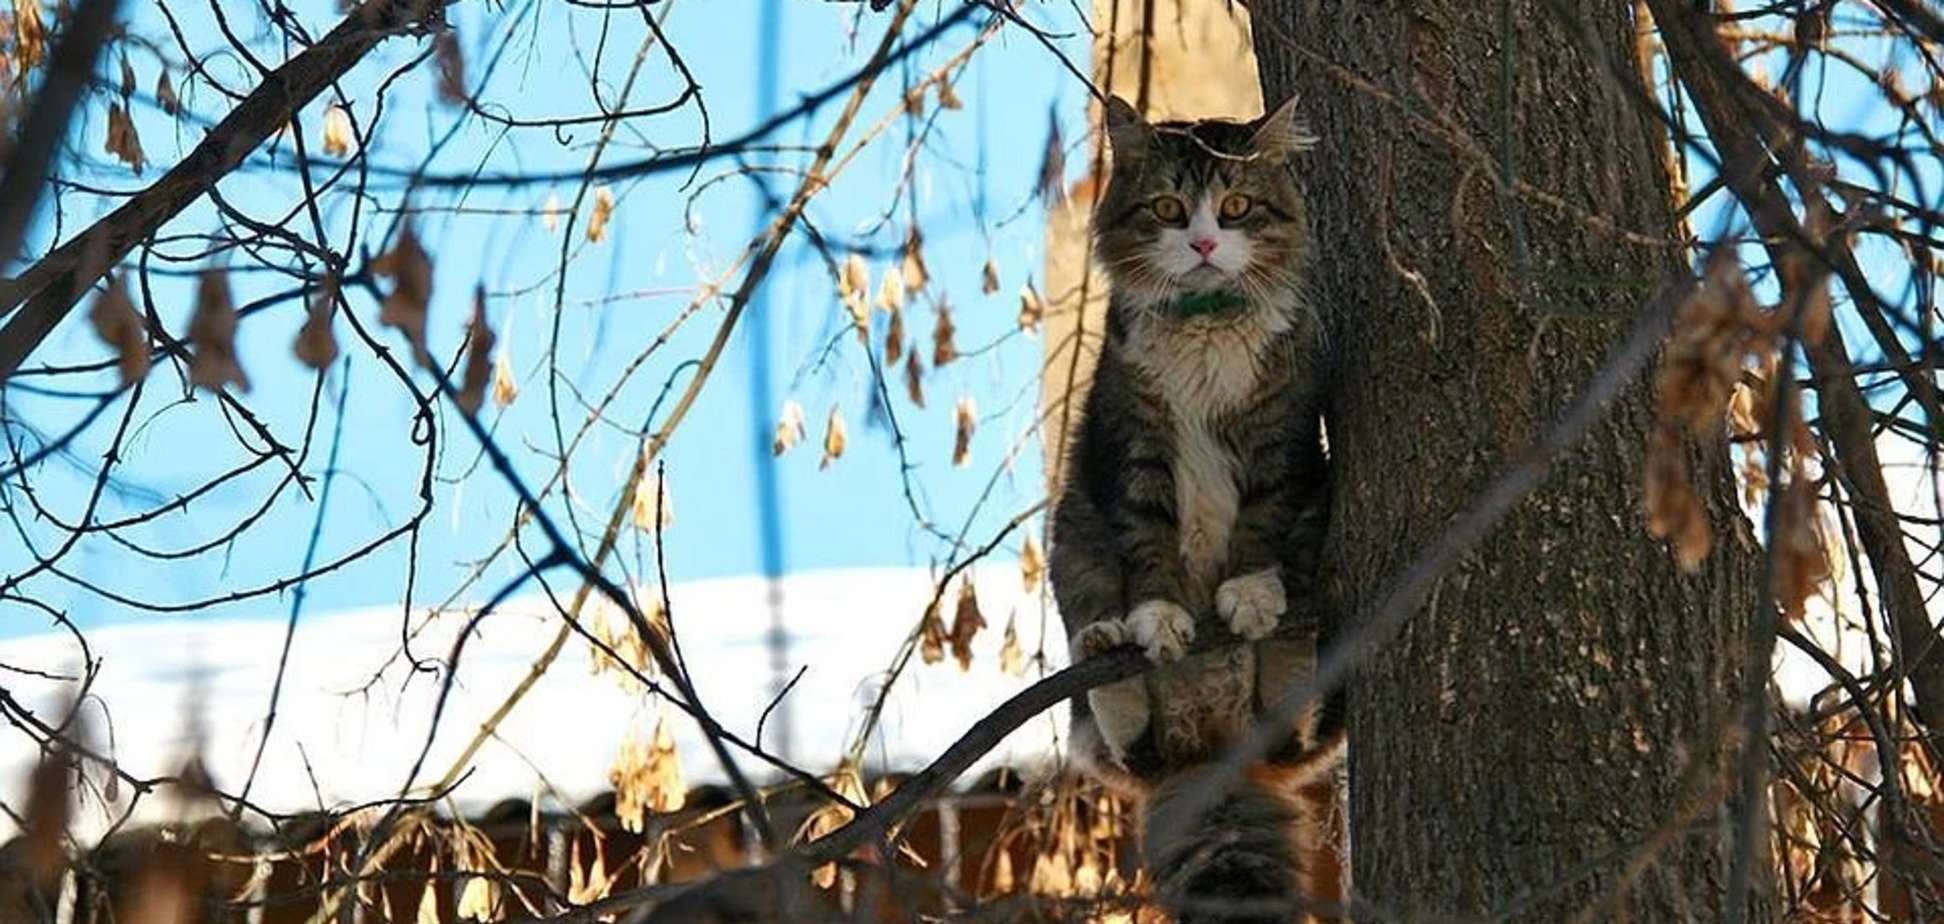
(1203, 246)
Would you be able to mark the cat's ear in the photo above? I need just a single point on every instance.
(1282, 132)
(1127, 132)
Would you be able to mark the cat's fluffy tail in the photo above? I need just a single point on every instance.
(1240, 862)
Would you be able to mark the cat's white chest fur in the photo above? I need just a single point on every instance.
(1204, 370)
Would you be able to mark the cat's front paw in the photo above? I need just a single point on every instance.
(1096, 638)
(1163, 628)
(1252, 603)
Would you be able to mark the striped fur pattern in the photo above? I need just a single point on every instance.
(1241, 863)
(1196, 492)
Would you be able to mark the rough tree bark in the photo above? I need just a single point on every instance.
(1553, 737)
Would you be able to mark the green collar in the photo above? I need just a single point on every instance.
(1198, 304)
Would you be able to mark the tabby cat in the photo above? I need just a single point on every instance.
(1196, 496)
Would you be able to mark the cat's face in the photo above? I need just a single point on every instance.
(1200, 206)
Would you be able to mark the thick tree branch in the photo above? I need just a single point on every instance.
(757, 893)
(51, 287)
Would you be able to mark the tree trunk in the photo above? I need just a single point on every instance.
(1555, 733)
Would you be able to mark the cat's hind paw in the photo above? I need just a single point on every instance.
(1163, 629)
(1252, 603)
(1097, 638)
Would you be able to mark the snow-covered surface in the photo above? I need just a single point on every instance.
(342, 737)
(353, 717)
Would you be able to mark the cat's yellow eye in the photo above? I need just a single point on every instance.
(1169, 209)
(1235, 205)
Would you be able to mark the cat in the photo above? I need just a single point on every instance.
(1195, 499)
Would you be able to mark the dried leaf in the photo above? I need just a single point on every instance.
(1106, 814)
(1031, 309)
(127, 78)
(625, 647)
(912, 270)
(931, 636)
(165, 94)
(121, 326)
(650, 497)
(944, 350)
(479, 901)
(212, 335)
(854, 279)
(122, 141)
(989, 277)
(1032, 565)
(914, 101)
(848, 782)
(479, 357)
(665, 769)
(947, 97)
(835, 436)
(1002, 873)
(1674, 513)
(317, 345)
(1012, 658)
(1754, 477)
(505, 389)
(452, 68)
(789, 429)
(894, 338)
(967, 421)
(1801, 565)
(410, 268)
(891, 292)
(428, 908)
(647, 777)
(1714, 329)
(1745, 422)
(966, 623)
(597, 224)
(595, 884)
(915, 378)
(853, 284)
(1052, 874)
(1087, 879)
(338, 137)
(550, 213)
(30, 37)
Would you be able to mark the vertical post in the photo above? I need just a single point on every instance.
(762, 402)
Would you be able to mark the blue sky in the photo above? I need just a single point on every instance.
(971, 190)
(973, 184)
